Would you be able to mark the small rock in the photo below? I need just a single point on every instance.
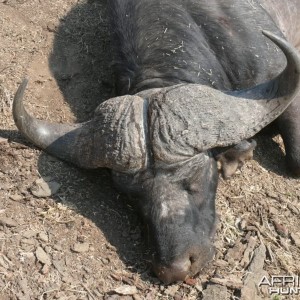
(45, 269)
(8, 222)
(48, 249)
(29, 234)
(67, 278)
(215, 292)
(126, 290)
(281, 229)
(81, 247)
(51, 27)
(43, 237)
(295, 239)
(273, 210)
(57, 247)
(28, 241)
(5, 186)
(16, 197)
(105, 261)
(42, 188)
(42, 256)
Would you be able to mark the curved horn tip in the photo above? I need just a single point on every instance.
(18, 109)
(20, 93)
(283, 44)
(22, 86)
(279, 41)
(268, 33)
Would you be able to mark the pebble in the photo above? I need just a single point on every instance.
(28, 241)
(42, 188)
(16, 197)
(81, 247)
(57, 247)
(43, 237)
(296, 239)
(45, 269)
(8, 222)
(216, 292)
(273, 210)
(29, 234)
(42, 256)
(126, 290)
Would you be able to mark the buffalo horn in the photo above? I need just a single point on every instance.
(198, 118)
(114, 138)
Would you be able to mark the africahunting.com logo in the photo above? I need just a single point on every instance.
(281, 285)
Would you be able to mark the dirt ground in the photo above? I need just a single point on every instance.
(79, 239)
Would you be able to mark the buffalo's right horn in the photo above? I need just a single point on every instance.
(114, 138)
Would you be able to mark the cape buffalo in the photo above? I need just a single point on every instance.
(195, 79)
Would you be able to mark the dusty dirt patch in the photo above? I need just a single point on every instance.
(83, 241)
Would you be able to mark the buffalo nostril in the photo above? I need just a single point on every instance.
(192, 259)
(176, 271)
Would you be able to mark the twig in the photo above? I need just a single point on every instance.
(89, 291)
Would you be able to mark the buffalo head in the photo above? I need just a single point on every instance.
(159, 145)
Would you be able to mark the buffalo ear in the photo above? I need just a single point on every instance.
(234, 157)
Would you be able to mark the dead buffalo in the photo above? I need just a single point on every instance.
(195, 80)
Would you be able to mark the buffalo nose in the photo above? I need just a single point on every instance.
(176, 271)
(183, 266)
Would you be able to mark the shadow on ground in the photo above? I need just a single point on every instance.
(269, 154)
(81, 64)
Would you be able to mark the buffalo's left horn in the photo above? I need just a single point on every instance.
(192, 118)
(114, 138)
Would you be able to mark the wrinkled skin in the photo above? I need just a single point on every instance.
(183, 61)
